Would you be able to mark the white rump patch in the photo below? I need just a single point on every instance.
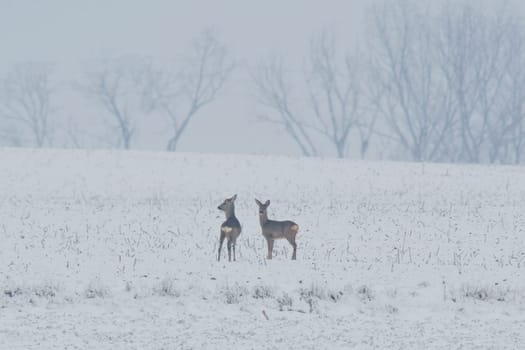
(226, 229)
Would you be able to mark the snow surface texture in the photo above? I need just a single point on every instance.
(117, 250)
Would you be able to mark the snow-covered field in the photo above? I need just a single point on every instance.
(117, 250)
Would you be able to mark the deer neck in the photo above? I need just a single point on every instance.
(263, 218)
(230, 212)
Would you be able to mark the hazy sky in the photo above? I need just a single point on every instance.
(71, 33)
(65, 30)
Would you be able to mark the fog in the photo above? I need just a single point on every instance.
(74, 40)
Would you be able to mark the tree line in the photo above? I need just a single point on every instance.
(440, 83)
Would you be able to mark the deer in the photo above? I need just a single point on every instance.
(231, 228)
(273, 230)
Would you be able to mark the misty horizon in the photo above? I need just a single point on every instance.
(74, 40)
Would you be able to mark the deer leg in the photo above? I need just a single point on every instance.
(233, 244)
(270, 247)
(221, 239)
(229, 249)
(294, 245)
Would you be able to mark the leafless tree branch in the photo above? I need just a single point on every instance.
(26, 101)
(180, 94)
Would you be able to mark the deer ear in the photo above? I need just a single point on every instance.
(257, 201)
(267, 203)
(234, 197)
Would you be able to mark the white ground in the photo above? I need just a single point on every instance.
(117, 250)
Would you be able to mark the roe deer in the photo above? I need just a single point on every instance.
(231, 228)
(273, 230)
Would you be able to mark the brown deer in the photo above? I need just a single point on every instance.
(231, 228)
(273, 230)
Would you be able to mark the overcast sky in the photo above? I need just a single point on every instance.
(71, 33)
(65, 30)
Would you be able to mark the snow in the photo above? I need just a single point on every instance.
(117, 250)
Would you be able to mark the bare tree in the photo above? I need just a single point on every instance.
(450, 79)
(181, 93)
(332, 93)
(26, 104)
(473, 61)
(273, 90)
(116, 86)
(366, 127)
(515, 136)
(410, 92)
(506, 134)
(335, 93)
